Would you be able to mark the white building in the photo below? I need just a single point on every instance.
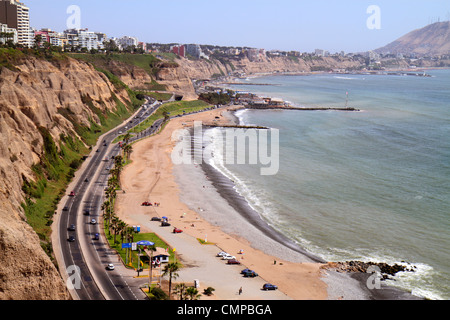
(126, 42)
(83, 38)
(12, 34)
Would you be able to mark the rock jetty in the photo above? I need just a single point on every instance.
(363, 267)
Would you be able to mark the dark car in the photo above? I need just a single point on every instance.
(71, 239)
(96, 236)
(71, 228)
(66, 208)
(165, 224)
(250, 274)
(269, 286)
(233, 261)
(86, 212)
(146, 204)
(155, 219)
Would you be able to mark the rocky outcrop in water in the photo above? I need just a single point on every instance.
(363, 267)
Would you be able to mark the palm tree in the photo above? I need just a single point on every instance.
(180, 290)
(127, 138)
(127, 150)
(171, 270)
(192, 293)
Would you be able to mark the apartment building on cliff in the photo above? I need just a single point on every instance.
(16, 15)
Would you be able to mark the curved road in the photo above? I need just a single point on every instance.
(84, 260)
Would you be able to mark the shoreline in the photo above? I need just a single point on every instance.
(200, 193)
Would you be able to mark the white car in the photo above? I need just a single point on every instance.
(93, 221)
(221, 253)
(110, 266)
(228, 257)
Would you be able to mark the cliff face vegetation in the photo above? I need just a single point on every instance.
(49, 114)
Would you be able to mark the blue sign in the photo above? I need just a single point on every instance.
(145, 243)
(126, 245)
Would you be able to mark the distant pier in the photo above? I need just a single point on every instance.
(267, 107)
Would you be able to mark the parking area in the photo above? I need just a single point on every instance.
(201, 263)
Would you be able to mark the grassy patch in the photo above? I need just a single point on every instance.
(203, 242)
(132, 260)
(172, 109)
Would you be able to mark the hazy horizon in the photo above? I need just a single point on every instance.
(280, 25)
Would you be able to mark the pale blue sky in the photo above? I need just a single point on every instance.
(270, 24)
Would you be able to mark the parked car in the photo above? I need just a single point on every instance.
(71, 228)
(269, 286)
(176, 230)
(97, 236)
(71, 239)
(165, 224)
(155, 219)
(110, 266)
(93, 221)
(221, 253)
(228, 257)
(250, 274)
(146, 204)
(233, 261)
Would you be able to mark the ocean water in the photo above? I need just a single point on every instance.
(371, 185)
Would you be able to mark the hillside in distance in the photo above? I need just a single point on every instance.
(432, 40)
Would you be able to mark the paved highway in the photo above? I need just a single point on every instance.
(85, 258)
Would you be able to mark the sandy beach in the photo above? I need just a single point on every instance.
(189, 198)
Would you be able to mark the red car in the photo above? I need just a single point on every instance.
(72, 194)
(146, 204)
(233, 261)
(176, 230)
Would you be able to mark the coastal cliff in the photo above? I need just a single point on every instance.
(178, 77)
(47, 111)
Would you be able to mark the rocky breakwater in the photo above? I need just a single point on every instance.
(385, 269)
(33, 96)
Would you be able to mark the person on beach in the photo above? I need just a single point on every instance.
(240, 290)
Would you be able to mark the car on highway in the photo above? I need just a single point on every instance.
(71, 239)
(176, 230)
(71, 227)
(110, 266)
(86, 212)
(97, 236)
(93, 221)
(66, 208)
(269, 286)
(233, 261)
(72, 194)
